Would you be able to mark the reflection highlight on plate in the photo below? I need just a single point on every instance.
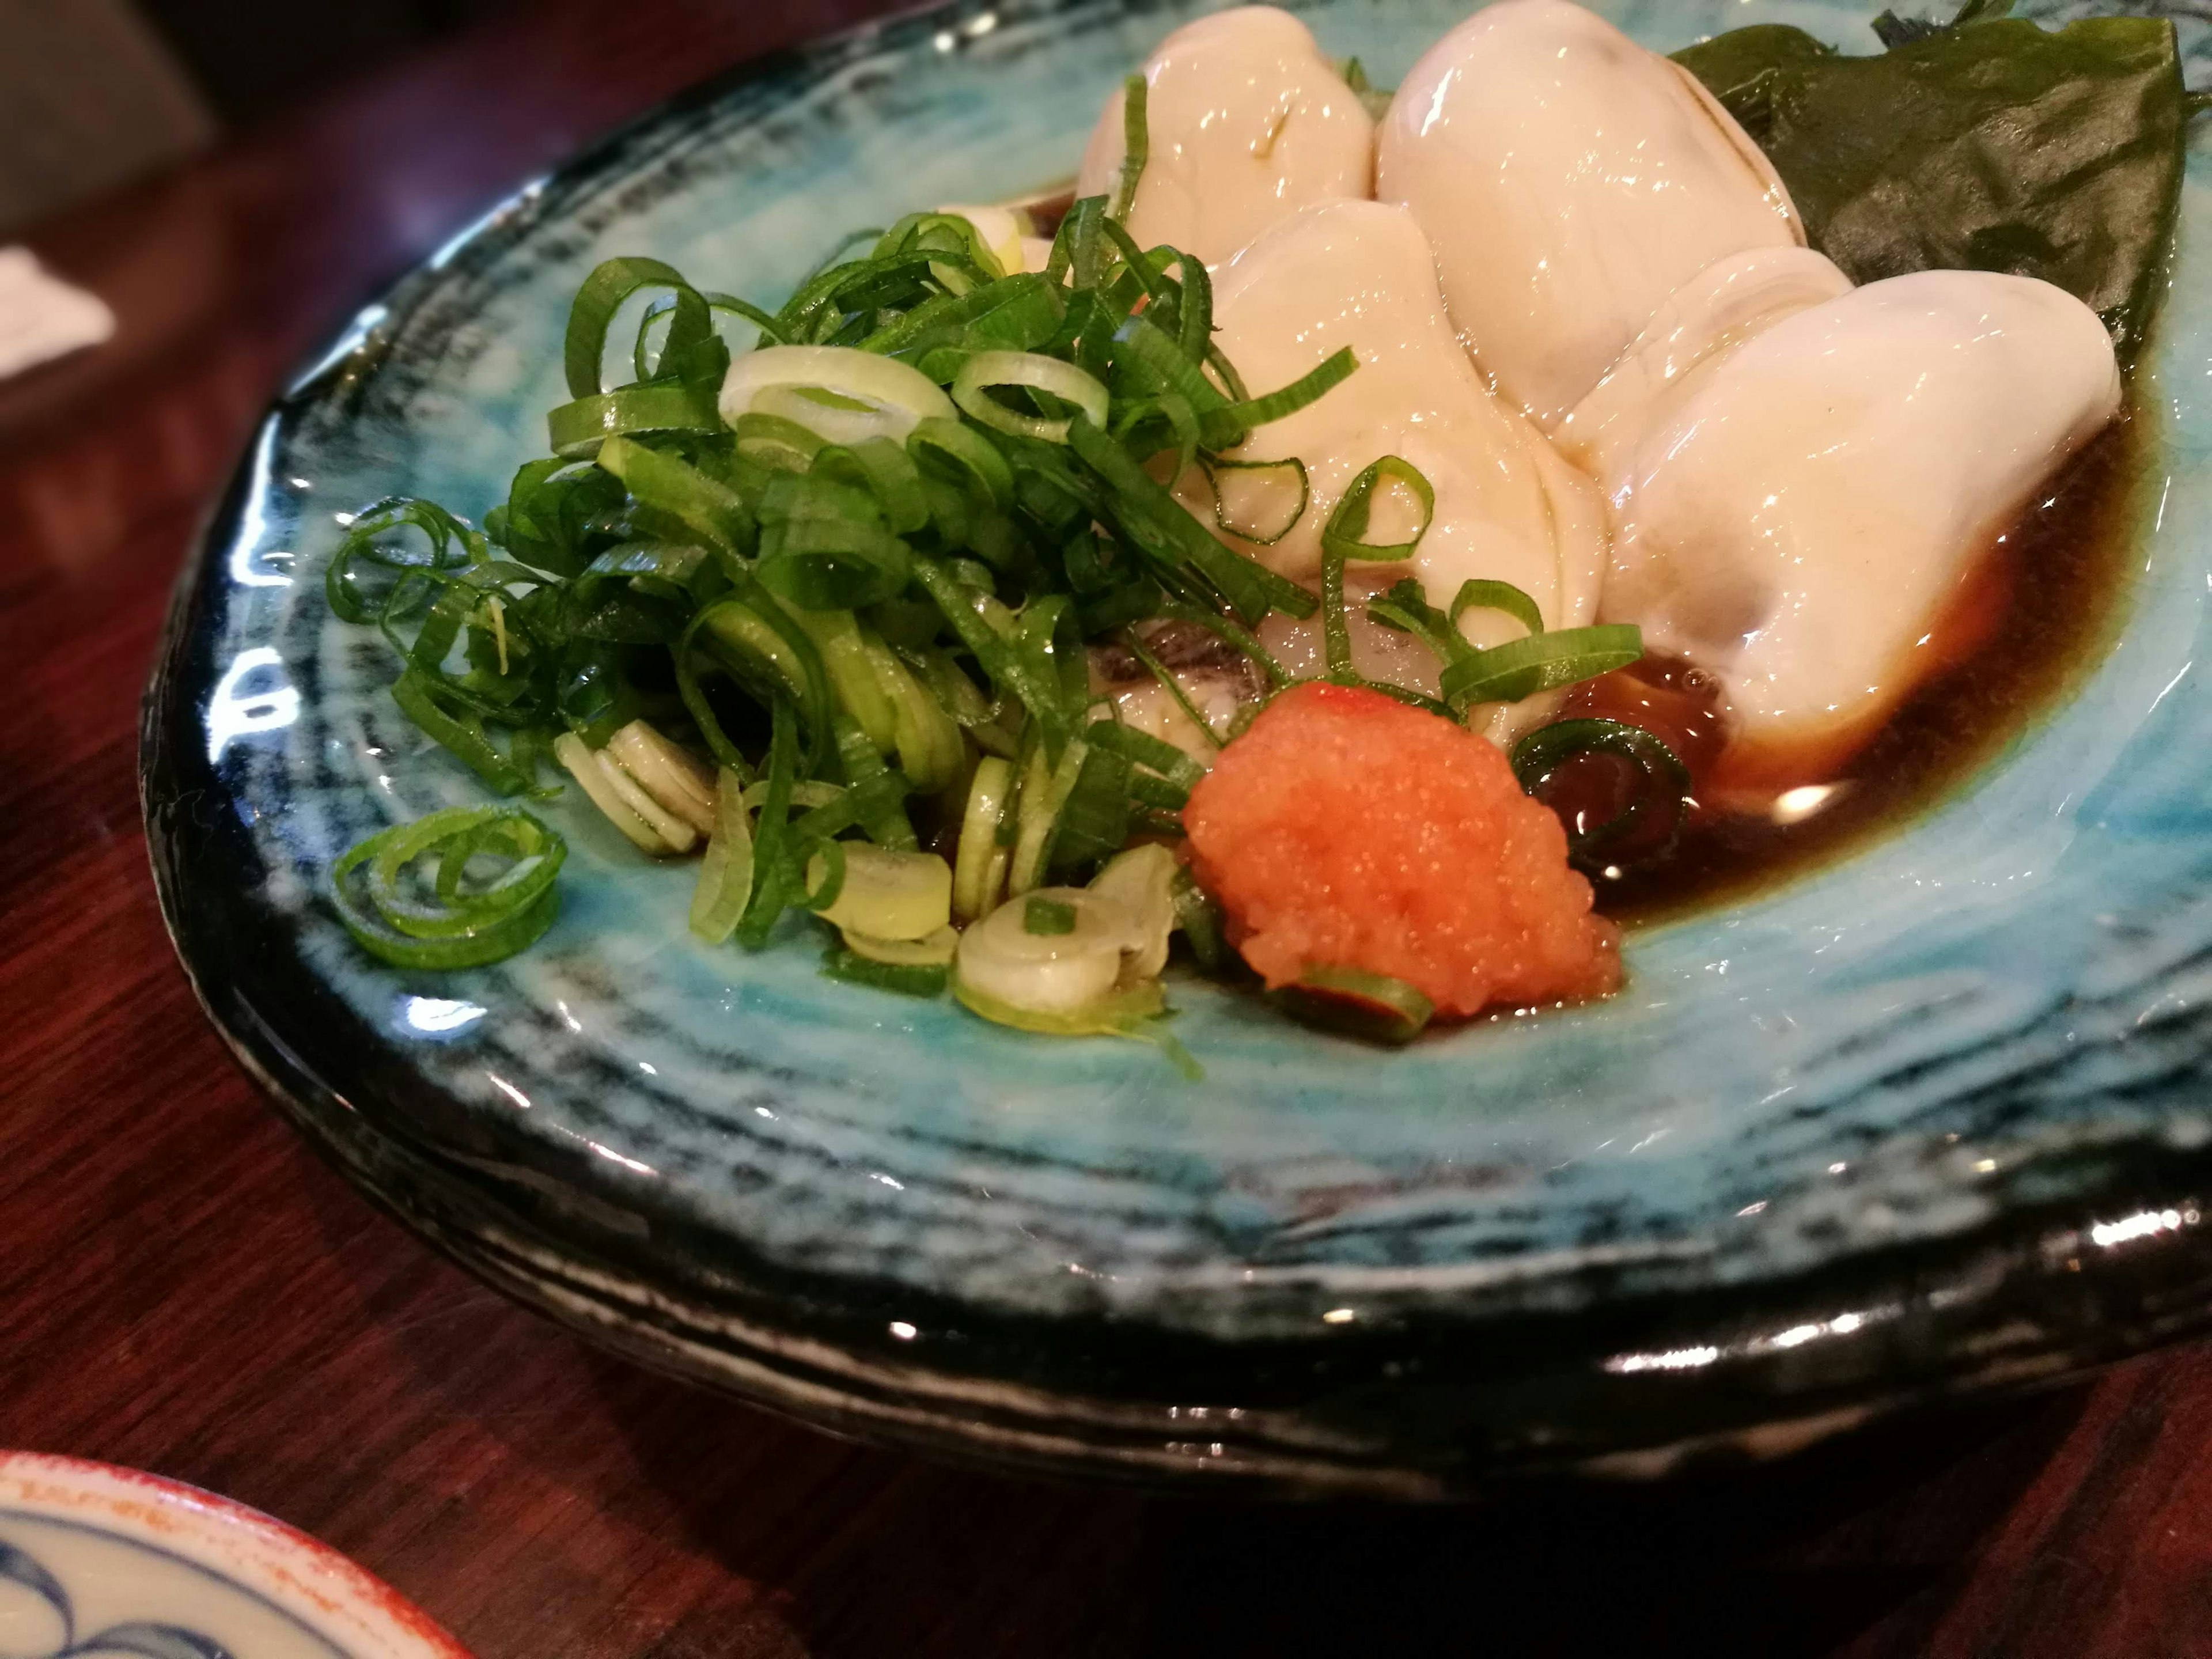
(235, 710)
(441, 1015)
(1696, 1357)
(2141, 1224)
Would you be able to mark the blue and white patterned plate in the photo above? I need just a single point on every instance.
(96, 1560)
(1931, 1119)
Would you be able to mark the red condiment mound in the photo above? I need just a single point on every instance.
(1346, 828)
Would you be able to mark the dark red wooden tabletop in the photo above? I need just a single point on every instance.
(184, 1288)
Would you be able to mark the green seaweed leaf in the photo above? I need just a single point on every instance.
(1987, 144)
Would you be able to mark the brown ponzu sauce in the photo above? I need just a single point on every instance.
(2039, 611)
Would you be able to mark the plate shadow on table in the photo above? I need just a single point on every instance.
(1863, 1538)
(772, 1541)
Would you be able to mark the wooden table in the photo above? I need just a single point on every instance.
(183, 1287)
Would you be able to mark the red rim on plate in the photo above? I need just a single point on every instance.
(336, 1598)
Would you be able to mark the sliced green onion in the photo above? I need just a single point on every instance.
(1093, 820)
(636, 593)
(876, 397)
(1260, 501)
(969, 260)
(1044, 793)
(1049, 641)
(987, 369)
(823, 545)
(1662, 791)
(771, 441)
(725, 875)
(1159, 525)
(1136, 145)
(1082, 231)
(1194, 311)
(1021, 310)
(741, 512)
(673, 779)
(1199, 919)
(928, 738)
(953, 692)
(857, 804)
(647, 824)
(1227, 427)
(1346, 529)
(575, 430)
(836, 304)
(461, 732)
(602, 295)
(1335, 633)
(705, 506)
(887, 471)
(1046, 916)
(887, 894)
(1142, 748)
(980, 865)
(969, 612)
(807, 794)
(1139, 418)
(952, 451)
(772, 878)
(1406, 607)
(1359, 1004)
(1542, 662)
(1049, 974)
(1142, 881)
(1107, 1014)
(1225, 376)
(1146, 351)
(856, 967)
(669, 364)
(553, 509)
(931, 950)
(876, 797)
(450, 546)
(469, 924)
(823, 883)
(845, 659)
(1480, 595)
(740, 639)
(1136, 1012)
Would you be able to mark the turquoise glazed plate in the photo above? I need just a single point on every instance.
(1933, 1119)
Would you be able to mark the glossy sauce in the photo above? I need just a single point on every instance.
(2037, 613)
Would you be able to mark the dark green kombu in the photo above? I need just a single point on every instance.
(1988, 143)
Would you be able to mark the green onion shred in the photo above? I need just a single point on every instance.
(843, 628)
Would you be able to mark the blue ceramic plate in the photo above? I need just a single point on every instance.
(1933, 1118)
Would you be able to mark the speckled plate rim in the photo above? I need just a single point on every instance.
(298, 1575)
(2005, 1302)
